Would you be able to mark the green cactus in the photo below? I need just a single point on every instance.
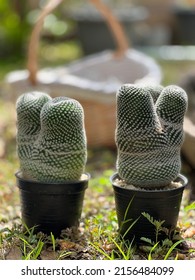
(51, 138)
(149, 134)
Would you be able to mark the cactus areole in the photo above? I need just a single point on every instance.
(51, 139)
(149, 134)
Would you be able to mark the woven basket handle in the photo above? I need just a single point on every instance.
(111, 20)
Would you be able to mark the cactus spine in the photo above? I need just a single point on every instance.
(149, 133)
(51, 138)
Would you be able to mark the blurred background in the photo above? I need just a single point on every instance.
(146, 23)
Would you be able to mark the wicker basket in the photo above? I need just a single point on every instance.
(92, 80)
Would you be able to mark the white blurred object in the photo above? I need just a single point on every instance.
(94, 77)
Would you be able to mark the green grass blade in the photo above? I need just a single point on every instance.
(172, 248)
(102, 252)
(152, 249)
(127, 209)
(129, 228)
(53, 241)
(120, 249)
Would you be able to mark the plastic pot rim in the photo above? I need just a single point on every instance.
(180, 178)
(66, 187)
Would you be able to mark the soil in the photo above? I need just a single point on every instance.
(122, 183)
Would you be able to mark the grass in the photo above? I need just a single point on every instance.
(97, 237)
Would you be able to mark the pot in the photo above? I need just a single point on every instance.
(51, 207)
(160, 204)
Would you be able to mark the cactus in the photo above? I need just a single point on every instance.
(149, 134)
(51, 138)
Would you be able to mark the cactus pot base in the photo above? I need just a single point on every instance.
(161, 205)
(51, 207)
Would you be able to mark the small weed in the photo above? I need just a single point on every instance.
(162, 249)
(157, 224)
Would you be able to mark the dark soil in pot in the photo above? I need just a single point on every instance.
(51, 207)
(160, 204)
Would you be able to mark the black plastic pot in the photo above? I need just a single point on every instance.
(161, 205)
(51, 207)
